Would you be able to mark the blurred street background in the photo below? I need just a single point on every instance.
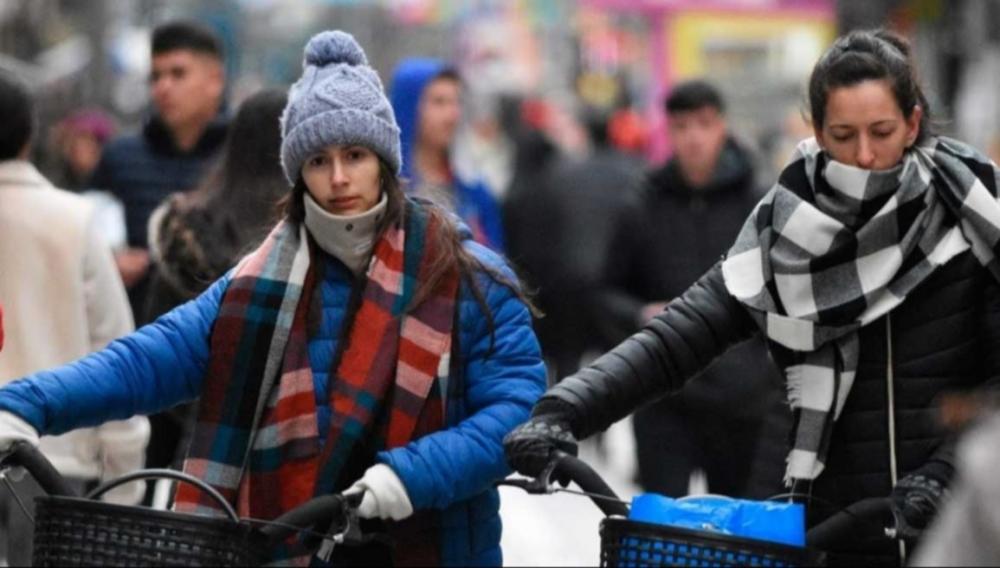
(621, 53)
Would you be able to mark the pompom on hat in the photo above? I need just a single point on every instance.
(338, 100)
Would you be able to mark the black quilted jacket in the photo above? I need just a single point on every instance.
(945, 336)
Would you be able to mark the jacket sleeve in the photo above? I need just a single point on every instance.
(990, 333)
(500, 386)
(160, 365)
(691, 333)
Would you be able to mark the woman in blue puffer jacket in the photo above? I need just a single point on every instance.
(366, 345)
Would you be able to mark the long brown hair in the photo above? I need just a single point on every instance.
(243, 186)
(448, 240)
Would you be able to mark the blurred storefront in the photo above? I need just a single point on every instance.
(758, 52)
(594, 53)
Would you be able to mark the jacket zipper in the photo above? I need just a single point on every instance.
(890, 391)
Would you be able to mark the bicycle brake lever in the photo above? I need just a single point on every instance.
(541, 485)
(352, 532)
(348, 533)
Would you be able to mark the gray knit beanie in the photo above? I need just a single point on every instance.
(338, 100)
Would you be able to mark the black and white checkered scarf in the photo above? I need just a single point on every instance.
(832, 248)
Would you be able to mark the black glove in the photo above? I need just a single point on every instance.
(916, 498)
(530, 446)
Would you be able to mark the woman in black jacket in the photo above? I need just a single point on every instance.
(871, 270)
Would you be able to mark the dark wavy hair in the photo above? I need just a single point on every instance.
(868, 55)
(243, 186)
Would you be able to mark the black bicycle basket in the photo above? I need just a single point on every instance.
(73, 531)
(633, 543)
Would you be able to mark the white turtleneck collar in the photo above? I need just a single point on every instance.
(346, 237)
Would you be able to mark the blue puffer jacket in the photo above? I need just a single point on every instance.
(453, 470)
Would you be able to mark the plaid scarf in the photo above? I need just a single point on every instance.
(256, 440)
(832, 248)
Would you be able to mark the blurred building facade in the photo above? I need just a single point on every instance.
(593, 52)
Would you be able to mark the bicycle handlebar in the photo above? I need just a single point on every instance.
(321, 511)
(26, 455)
(590, 481)
(564, 466)
(843, 524)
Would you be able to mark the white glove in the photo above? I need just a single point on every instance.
(13, 428)
(385, 496)
(123, 450)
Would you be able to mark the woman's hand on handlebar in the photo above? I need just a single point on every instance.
(383, 494)
(915, 500)
(13, 429)
(531, 447)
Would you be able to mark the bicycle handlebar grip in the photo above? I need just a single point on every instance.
(28, 456)
(590, 481)
(320, 510)
(844, 523)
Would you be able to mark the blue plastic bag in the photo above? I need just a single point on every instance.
(772, 521)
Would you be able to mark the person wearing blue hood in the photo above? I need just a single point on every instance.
(426, 96)
(372, 346)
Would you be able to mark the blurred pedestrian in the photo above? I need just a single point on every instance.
(871, 267)
(196, 236)
(527, 221)
(175, 146)
(79, 141)
(628, 132)
(426, 96)
(64, 299)
(171, 154)
(360, 299)
(560, 228)
(687, 215)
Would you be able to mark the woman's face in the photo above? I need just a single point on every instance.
(865, 127)
(344, 180)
